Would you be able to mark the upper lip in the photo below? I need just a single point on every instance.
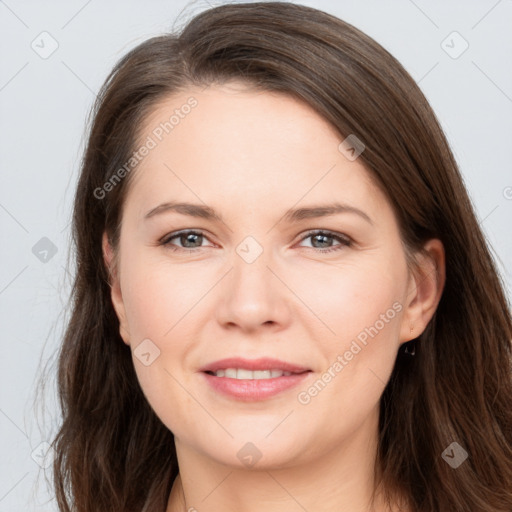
(263, 363)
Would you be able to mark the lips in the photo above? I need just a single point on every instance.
(249, 385)
(261, 364)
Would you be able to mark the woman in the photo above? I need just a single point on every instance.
(338, 339)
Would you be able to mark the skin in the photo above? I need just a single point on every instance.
(252, 156)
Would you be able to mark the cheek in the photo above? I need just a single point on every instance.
(348, 297)
(360, 305)
(159, 306)
(159, 294)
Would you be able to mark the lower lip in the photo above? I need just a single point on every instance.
(254, 389)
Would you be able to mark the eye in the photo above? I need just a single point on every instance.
(190, 239)
(322, 238)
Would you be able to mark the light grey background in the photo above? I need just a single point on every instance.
(44, 103)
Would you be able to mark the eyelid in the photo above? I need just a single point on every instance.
(333, 234)
(175, 234)
(344, 241)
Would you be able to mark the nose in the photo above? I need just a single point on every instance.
(253, 296)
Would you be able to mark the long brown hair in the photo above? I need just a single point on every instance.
(112, 451)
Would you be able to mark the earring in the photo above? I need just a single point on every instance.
(412, 351)
(412, 345)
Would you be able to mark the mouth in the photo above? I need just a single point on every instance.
(244, 374)
(253, 380)
(242, 366)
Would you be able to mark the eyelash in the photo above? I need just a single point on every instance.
(343, 239)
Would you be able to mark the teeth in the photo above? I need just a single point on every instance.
(243, 374)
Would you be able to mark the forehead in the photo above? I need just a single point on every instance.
(232, 143)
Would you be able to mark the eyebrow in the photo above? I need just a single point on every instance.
(297, 214)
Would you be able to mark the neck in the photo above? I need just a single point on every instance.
(341, 480)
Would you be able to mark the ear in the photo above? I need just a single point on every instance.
(424, 291)
(115, 288)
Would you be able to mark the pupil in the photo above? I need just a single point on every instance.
(321, 236)
(189, 238)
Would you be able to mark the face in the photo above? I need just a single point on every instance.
(330, 294)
